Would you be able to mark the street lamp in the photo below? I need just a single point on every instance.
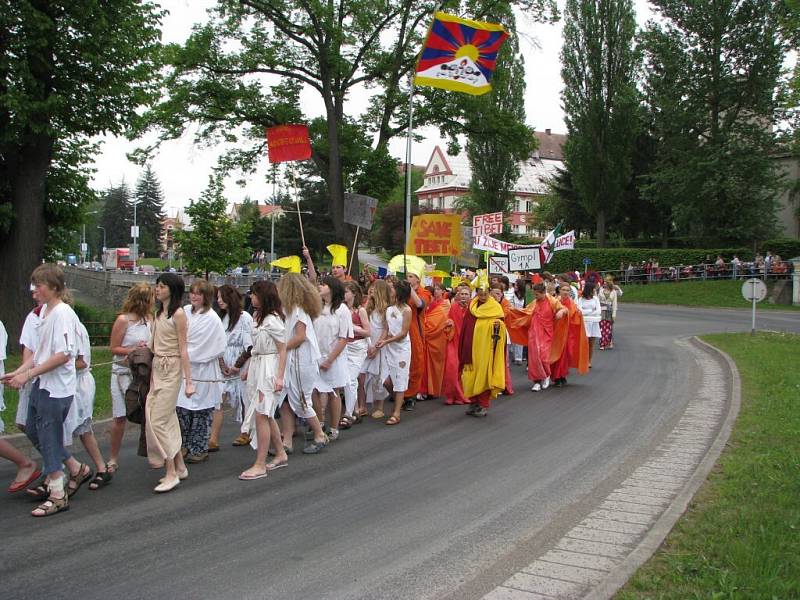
(103, 255)
(135, 235)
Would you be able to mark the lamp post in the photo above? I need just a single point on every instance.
(135, 235)
(103, 254)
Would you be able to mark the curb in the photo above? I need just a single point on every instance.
(659, 531)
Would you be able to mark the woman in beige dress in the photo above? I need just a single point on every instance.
(170, 363)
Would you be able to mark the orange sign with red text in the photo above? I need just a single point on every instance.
(435, 235)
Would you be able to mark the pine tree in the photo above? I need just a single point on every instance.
(600, 100)
(117, 216)
(149, 212)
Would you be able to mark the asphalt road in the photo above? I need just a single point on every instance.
(441, 506)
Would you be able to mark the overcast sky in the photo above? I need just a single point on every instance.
(183, 168)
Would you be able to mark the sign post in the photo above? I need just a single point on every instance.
(754, 290)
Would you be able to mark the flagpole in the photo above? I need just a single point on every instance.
(353, 253)
(297, 204)
(407, 221)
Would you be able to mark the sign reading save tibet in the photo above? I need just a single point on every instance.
(359, 210)
(488, 224)
(435, 235)
(288, 142)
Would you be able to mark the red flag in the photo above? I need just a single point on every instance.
(288, 142)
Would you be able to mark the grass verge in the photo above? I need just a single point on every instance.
(102, 398)
(722, 294)
(740, 536)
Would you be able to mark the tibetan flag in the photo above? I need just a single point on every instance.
(288, 142)
(460, 54)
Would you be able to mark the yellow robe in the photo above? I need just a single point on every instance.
(488, 368)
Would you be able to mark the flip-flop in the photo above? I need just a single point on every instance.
(21, 485)
(277, 465)
(244, 477)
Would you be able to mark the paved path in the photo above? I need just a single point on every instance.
(441, 506)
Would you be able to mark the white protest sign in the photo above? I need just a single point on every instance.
(498, 265)
(490, 244)
(524, 259)
(565, 242)
(488, 224)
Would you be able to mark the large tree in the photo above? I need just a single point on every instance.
(69, 70)
(333, 50)
(712, 74)
(149, 199)
(599, 65)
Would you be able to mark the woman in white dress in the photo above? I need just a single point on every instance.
(132, 329)
(206, 342)
(397, 346)
(79, 419)
(589, 305)
(356, 354)
(333, 327)
(238, 326)
(375, 367)
(301, 305)
(265, 373)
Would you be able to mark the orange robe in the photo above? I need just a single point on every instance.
(436, 347)
(525, 327)
(452, 389)
(416, 372)
(572, 349)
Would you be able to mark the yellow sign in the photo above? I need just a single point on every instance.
(435, 235)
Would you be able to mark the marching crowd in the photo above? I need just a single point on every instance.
(319, 352)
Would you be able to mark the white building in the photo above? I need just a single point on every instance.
(447, 179)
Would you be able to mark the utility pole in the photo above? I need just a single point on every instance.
(135, 235)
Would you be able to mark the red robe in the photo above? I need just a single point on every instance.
(416, 372)
(572, 349)
(451, 385)
(436, 347)
(534, 326)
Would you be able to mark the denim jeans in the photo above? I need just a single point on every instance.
(45, 427)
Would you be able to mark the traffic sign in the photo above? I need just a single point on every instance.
(754, 289)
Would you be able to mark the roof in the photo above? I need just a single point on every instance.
(535, 172)
(264, 210)
(551, 145)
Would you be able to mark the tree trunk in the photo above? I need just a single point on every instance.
(22, 249)
(601, 228)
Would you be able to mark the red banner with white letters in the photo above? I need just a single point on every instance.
(288, 142)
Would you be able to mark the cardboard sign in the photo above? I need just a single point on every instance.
(524, 259)
(488, 224)
(359, 210)
(498, 265)
(435, 235)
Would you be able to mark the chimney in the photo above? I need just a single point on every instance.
(548, 131)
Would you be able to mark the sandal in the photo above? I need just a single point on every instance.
(112, 466)
(51, 506)
(101, 479)
(39, 492)
(346, 422)
(378, 414)
(393, 420)
(76, 481)
(242, 440)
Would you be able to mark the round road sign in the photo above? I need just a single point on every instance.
(754, 289)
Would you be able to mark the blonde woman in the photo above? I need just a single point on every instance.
(206, 342)
(301, 304)
(132, 329)
(375, 367)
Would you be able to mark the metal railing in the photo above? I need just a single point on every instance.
(643, 274)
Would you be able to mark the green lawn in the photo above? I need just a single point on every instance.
(724, 294)
(102, 399)
(740, 537)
